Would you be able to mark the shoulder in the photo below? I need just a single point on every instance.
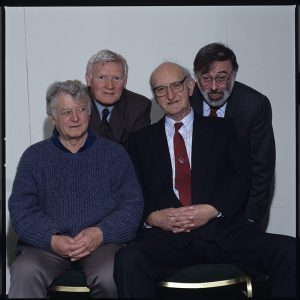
(36, 154)
(150, 130)
(249, 101)
(136, 99)
(39, 147)
(244, 91)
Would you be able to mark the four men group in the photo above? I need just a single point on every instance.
(193, 189)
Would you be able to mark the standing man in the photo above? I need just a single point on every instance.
(195, 180)
(116, 111)
(218, 94)
(75, 200)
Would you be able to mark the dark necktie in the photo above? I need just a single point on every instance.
(213, 112)
(105, 113)
(182, 168)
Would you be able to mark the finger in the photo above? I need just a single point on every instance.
(76, 246)
(182, 214)
(77, 257)
(78, 251)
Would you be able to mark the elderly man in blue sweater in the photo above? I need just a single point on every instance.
(75, 200)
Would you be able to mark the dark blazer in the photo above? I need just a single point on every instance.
(131, 113)
(252, 114)
(220, 177)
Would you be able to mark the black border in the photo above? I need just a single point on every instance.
(297, 111)
(2, 158)
(147, 2)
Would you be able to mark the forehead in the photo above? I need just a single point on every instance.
(64, 100)
(220, 66)
(107, 67)
(167, 74)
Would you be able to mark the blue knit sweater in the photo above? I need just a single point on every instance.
(60, 192)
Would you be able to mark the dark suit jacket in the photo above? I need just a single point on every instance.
(252, 115)
(220, 177)
(131, 113)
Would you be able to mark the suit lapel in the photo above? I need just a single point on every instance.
(197, 101)
(161, 148)
(231, 107)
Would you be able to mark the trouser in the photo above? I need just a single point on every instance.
(139, 266)
(34, 270)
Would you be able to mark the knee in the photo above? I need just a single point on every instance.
(127, 257)
(285, 253)
(24, 269)
(104, 287)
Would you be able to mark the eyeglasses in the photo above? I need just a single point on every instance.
(220, 79)
(176, 87)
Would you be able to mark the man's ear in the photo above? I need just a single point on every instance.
(191, 86)
(52, 120)
(88, 79)
(125, 82)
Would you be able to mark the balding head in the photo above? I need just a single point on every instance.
(168, 68)
(172, 86)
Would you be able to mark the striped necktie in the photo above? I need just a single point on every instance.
(182, 168)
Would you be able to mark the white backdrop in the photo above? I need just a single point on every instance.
(44, 45)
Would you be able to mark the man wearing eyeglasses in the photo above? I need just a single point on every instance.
(218, 94)
(116, 111)
(195, 180)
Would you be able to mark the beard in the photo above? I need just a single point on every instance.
(224, 95)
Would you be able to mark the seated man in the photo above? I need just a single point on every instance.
(195, 179)
(75, 200)
(116, 111)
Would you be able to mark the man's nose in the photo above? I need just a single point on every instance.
(75, 115)
(109, 83)
(170, 93)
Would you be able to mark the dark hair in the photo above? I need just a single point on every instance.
(211, 53)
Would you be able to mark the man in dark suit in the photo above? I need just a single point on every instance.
(116, 111)
(217, 93)
(195, 181)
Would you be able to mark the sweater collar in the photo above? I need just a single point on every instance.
(88, 142)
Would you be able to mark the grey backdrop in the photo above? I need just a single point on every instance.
(48, 44)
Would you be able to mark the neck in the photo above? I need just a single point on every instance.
(181, 115)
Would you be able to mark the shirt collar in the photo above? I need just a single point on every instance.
(101, 107)
(187, 121)
(207, 108)
(88, 142)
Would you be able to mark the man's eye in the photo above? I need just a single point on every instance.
(176, 84)
(160, 89)
(66, 112)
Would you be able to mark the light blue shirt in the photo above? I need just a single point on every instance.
(101, 107)
(186, 130)
(220, 111)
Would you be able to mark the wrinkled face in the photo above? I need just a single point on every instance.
(216, 85)
(107, 82)
(172, 90)
(70, 117)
